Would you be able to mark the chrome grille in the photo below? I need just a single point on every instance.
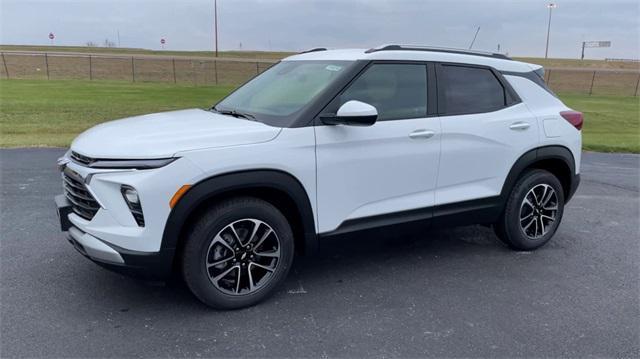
(82, 202)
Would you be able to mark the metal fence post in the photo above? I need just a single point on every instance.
(549, 78)
(546, 74)
(133, 70)
(6, 69)
(635, 94)
(194, 70)
(257, 68)
(593, 78)
(173, 62)
(46, 64)
(215, 70)
(90, 69)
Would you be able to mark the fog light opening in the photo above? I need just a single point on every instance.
(132, 199)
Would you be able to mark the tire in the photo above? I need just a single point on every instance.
(539, 220)
(212, 248)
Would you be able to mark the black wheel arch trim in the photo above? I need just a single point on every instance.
(220, 184)
(553, 152)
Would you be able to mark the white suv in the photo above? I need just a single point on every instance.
(321, 144)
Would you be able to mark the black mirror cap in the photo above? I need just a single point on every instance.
(332, 119)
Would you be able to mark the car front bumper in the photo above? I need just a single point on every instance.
(146, 265)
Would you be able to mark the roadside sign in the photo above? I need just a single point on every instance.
(597, 44)
(586, 44)
(162, 41)
(51, 36)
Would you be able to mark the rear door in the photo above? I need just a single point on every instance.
(485, 129)
(373, 175)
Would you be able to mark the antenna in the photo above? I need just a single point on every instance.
(474, 38)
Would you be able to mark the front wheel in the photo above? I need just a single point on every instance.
(533, 211)
(237, 253)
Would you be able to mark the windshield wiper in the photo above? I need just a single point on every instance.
(235, 113)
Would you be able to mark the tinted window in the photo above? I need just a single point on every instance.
(397, 91)
(471, 90)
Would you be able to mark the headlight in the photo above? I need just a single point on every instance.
(132, 164)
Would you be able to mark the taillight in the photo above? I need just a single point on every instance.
(573, 117)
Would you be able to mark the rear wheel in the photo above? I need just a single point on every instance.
(533, 211)
(238, 253)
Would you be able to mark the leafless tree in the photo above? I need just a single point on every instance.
(91, 44)
(109, 43)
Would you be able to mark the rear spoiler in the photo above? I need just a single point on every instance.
(537, 69)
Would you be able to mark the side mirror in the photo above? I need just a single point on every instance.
(353, 113)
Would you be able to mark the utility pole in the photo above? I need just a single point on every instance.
(215, 30)
(551, 6)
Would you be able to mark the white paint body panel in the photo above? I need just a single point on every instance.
(545, 107)
(367, 171)
(163, 134)
(478, 151)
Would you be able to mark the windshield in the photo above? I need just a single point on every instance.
(278, 94)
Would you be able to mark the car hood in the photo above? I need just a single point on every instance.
(164, 134)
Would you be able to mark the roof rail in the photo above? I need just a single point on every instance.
(394, 47)
(315, 49)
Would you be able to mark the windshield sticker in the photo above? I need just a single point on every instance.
(333, 68)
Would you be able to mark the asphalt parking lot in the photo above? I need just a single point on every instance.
(454, 293)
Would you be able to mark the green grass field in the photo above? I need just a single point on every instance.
(52, 113)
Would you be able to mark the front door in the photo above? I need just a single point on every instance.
(385, 172)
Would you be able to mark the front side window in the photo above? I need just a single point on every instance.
(471, 90)
(397, 91)
(278, 94)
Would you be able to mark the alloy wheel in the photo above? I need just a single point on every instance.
(243, 256)
(538, 211)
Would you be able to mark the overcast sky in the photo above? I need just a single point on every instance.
(518, 26)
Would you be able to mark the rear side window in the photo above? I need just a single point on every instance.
(471, 90)
(397, 91)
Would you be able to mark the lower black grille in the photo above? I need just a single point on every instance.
(82, 202)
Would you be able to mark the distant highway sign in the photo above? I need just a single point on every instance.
(586, 44)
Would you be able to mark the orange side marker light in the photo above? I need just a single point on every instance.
(179, 193)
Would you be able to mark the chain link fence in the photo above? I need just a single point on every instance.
(195, 71)
(204, 71)
(593, 82)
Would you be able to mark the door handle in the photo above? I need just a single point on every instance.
(519, 126)
(421, 134)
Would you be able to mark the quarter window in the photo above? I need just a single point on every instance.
(397, 91)
(471, 90)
